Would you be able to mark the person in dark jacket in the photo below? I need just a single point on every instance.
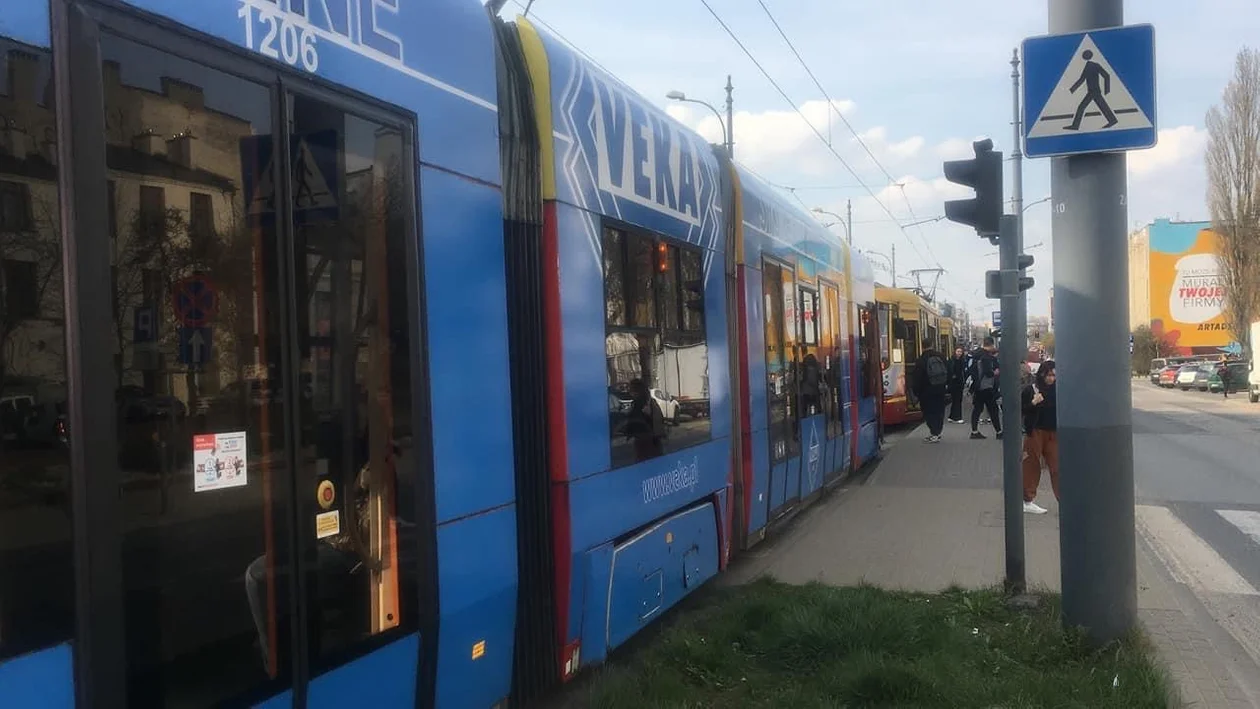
(645, 424)
(957, 383)
(931, 381)
(985, 390)
(1041, 436)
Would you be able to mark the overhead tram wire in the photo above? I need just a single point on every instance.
(831, 107)
(525, 8)
(812, 127)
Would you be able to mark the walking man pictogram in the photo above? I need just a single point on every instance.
(1094, 93)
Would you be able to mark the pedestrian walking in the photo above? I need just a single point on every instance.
(957, 385)
(985, 390)
(1041, 435)
(1222, 371)
(931, 381)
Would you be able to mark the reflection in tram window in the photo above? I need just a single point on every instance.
(655, 348)
(355, 350)
(36, 575)
(197, 310)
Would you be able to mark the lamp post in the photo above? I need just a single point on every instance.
(848, 225)
(892, 262)
(728, 140)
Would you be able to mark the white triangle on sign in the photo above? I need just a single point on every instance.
(310, 188)
(1091, 77)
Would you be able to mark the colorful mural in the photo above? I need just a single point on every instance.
(1187, 294)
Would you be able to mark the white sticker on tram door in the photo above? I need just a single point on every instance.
(327, 524)
(220, 460)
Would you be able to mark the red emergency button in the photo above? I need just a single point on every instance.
(326, 494)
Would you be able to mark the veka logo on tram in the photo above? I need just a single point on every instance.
(644, 159)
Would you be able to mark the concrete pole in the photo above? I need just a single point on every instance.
(730, 118)
(1096, 526)
(848, 208)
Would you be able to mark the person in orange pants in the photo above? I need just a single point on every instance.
(1041, 436)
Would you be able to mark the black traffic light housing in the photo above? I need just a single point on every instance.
(983, 173)
(1025, 282)
(993, 284)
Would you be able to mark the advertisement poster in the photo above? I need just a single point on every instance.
(220, 460)
(1187, 291)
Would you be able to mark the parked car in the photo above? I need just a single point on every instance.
(1237, 378)
(1158, 366)
(1202, 374)
(1168, 376)
(1185, 376)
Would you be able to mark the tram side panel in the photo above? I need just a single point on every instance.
(633, 195)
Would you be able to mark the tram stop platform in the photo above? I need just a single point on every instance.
(929, 516)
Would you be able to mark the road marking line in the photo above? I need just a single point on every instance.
(1246, 521)
(1191, 560)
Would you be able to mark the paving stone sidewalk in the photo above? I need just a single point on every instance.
(930, 516)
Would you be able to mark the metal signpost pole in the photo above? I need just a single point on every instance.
(1009, 356)
(1095, 418)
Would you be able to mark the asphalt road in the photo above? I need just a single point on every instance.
(1197, 478)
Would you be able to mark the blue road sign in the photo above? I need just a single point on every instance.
(144, 328)
(1090, 92)
(195, 344)
(997, 318)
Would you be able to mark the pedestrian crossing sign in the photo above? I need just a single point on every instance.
(1090, 92)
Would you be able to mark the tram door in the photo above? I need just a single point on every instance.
(260, 232)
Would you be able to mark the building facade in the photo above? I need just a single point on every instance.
(1175, 286)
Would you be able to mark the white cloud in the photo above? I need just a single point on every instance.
(1178, 147)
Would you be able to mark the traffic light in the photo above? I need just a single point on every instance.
(1010, 282)
(993, 284)
(983, 173)
(1025, 282)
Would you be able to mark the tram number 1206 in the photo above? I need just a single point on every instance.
(279, 38)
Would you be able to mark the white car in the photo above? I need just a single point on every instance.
(669, 405)
(1186, 377)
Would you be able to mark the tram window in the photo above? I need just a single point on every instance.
(614, 278)
(36, 568)
(692, 288)
(657, 358)
(782, 324)
(868, 333)
(667, 286)
(809, 318)
(356, 416)
(204, 464)
(831, 352)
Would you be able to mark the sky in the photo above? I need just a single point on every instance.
(916, 82)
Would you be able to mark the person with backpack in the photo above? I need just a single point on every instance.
(931, 381)
(985, 390)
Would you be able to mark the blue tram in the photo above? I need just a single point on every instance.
(381, 352)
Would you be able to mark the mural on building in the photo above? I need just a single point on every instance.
(1187, 293)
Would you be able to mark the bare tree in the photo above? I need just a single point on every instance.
(1233, 170)
(39, 245)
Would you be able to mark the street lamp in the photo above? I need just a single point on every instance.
(1026, 206)
(727, 142)
(848, 227)
(892, 262)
